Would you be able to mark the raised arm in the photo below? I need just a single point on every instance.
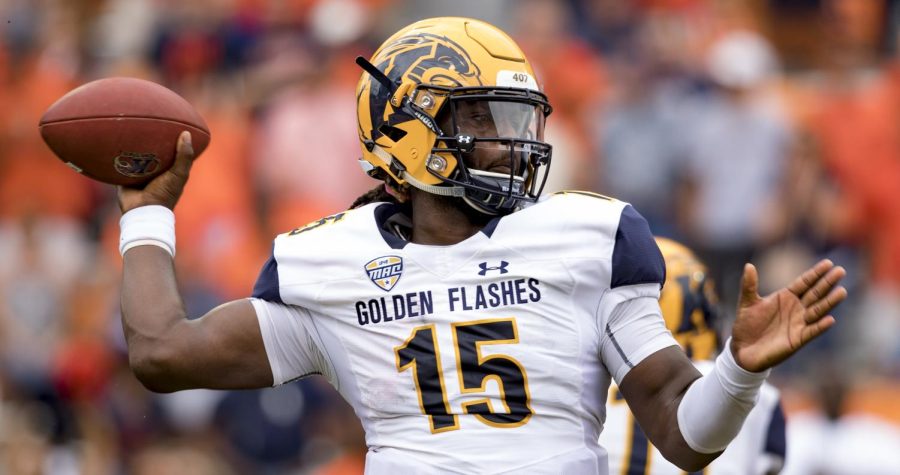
(167, 352)
(674, 404)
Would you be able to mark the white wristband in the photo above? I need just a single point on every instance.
(147, 225)
(713, 409)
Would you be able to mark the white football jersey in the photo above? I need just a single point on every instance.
(757, 449)
(493, 355)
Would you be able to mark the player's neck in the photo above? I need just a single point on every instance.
(443, 221)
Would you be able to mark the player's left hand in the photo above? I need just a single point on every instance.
(770, 329)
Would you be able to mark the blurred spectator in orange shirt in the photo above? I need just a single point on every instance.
(854, 124)
(219, 229)
(32, 179)
(859, 139)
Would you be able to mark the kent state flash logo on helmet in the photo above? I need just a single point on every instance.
(421, 78)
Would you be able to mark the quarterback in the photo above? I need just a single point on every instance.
(473, 324)
(688, 306)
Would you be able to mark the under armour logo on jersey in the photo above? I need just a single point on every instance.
(485, 268)
(385, 271)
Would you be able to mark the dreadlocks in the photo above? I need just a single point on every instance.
(377, 194)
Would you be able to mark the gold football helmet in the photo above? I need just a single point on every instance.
(422, 92)
(688, 301)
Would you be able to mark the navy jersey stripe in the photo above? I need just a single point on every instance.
(615, 343)
(489, 228)
(266, 286)
(776, 442)
(382, 213)
(636, 258)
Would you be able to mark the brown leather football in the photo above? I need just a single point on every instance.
(120, 130)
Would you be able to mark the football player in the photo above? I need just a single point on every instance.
(688, 306)
(473, 325)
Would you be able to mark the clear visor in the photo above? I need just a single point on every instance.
(506, 119)
(523, 157)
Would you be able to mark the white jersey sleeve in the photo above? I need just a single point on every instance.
(288, 334)
(634, 328)
(631, 323)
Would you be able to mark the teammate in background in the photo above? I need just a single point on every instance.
(473, 325)
(688, 306)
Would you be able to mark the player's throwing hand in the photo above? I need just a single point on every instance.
(770, 329)
(164, 190)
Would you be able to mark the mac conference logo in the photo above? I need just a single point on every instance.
(385, 271)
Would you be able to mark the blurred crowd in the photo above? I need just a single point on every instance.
(751, 130)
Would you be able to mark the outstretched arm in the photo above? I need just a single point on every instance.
(674, 405)
(167, 352)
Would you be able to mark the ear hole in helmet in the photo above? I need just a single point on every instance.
(392, 132)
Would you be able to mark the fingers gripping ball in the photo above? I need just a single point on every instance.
(121, 131)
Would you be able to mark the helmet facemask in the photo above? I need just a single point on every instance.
(495, 135)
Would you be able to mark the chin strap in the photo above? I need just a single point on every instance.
(498, 179)
(456, 191)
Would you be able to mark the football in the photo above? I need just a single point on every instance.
(121, 130)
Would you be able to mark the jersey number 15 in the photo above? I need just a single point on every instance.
(420, 353)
